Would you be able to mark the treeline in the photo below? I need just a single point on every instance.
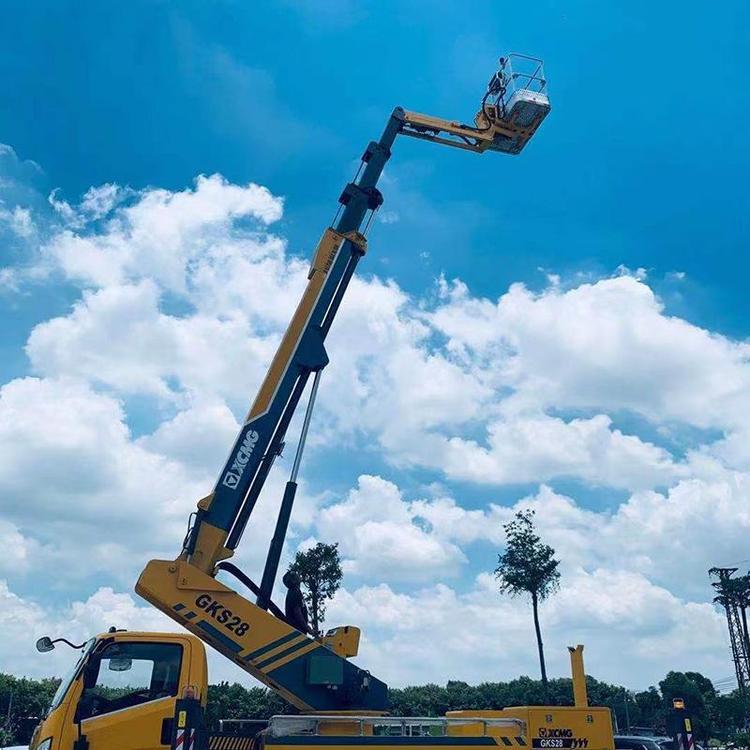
(23, 701)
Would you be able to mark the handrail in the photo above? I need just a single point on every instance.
(312, 722)
(223, 722)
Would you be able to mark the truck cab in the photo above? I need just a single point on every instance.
(121, 693)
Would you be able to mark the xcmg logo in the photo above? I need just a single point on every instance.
(232, 477)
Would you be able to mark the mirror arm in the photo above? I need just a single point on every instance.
(72, 645)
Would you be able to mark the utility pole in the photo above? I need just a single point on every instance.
(742, 591)
(731, 593)
(626, 693)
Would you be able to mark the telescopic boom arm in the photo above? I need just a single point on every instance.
(301, 669)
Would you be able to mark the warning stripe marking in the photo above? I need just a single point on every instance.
(229, 742)
(268, 647)
(282, 650)
(286, 658)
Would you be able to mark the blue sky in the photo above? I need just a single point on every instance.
(641, 165)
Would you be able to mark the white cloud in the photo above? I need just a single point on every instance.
(184, 295)
(18, 550)
(533, 448)
(607, 345)
(670, 537)
(72, 478)
(23, 621)
(436, 633)
(119, 337)
(474, 405)
(100, 200)
(379, 538)
(158, 234)
(18, 219)
(197, 436)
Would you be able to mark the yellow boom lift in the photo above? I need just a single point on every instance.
(146, 691)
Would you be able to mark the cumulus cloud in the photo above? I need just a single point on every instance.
(23, 621)
(434, 632)
(605, 344)
(423, 400)
(465, 386)
(183, 298)
(72, 477)
(119, 337)
(533, 448)
(379, 538)
(669, 537)
(157, 235)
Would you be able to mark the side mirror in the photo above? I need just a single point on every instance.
(120, 664)
(44, 644)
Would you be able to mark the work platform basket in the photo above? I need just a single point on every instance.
(521, 102)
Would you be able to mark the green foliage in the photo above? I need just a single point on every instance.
(740, 739)
(727, 713)
(528, 566)
(319, 569)
(698, 694)
(233, 701)
(22, 703)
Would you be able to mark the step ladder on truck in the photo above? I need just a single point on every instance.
(148, 691)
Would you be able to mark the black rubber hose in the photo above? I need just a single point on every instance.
(243, 578)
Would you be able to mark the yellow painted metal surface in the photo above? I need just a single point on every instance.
(323, 259)
(210, 541)
(134, 728)
(199, 603)
(209, 546)
(388, 744)
(546, 727)
(343, 640)
(580, 693)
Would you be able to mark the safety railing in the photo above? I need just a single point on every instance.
(391, 726)
(242, 726)
(523, 72)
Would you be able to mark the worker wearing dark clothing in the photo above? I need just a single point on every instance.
(294, 606)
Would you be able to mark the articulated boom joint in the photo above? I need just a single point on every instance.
(376, 148)
(358, 240)
(370, 195)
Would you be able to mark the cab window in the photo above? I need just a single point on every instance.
(128, 674)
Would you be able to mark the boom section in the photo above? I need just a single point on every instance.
(310, 673)
(222, 515)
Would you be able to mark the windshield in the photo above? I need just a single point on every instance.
(68, 679)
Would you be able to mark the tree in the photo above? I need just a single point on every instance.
(319, 570)
(22, 703)
(728, 715)
(528, 566)
(699, 695)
